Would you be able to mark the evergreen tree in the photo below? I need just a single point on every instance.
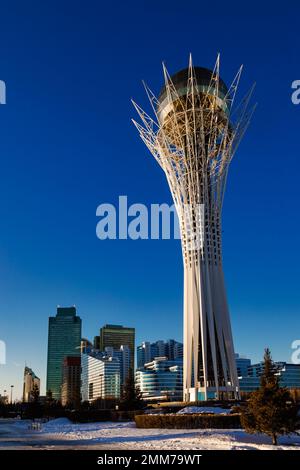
(270, 409)
(131, 396)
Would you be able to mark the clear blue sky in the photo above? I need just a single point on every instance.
(67, 145)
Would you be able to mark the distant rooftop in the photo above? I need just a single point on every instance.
(116, 327)
(28, 371)
(66, 311)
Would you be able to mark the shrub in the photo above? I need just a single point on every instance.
(188, 421)
(85, 416)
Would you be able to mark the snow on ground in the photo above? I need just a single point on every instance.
(204, 409)
(61, 433)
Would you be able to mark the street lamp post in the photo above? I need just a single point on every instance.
(11, 393)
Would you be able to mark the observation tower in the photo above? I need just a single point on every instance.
(193, 135)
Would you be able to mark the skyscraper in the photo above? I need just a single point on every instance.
(117, 336)
(64, 337)
(31, 385)
(123, 356)
(147, 352)
(85, 344)
(96, 342)
(143, 354)
(242, 365)
(70, 389)
(193, 138)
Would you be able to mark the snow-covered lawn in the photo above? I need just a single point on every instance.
(61, 433)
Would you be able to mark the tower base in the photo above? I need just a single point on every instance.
(211, 393)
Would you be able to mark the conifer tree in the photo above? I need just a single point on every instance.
(131, 396)
(270, 409)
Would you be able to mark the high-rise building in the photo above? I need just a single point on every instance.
(31, 385)
(193, 137)
(96, 342)
(160, 380)
(173, 350)
(143, 354)
(116, 336)
(178, 351)
(242, 365)
(85, 344)
(100, 377)
(147, 352)
(70, 390)
(123, 356)
(158, 349)
(64, 338)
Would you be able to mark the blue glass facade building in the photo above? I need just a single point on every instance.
(64, 337)
(161, 379)
(289, 376)
(147, 352)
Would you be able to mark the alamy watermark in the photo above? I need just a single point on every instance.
(296, 94)
(295, 357)
(137, 222)
(2, 352)
(2, 92)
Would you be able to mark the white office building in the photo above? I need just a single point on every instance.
(100, 377)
